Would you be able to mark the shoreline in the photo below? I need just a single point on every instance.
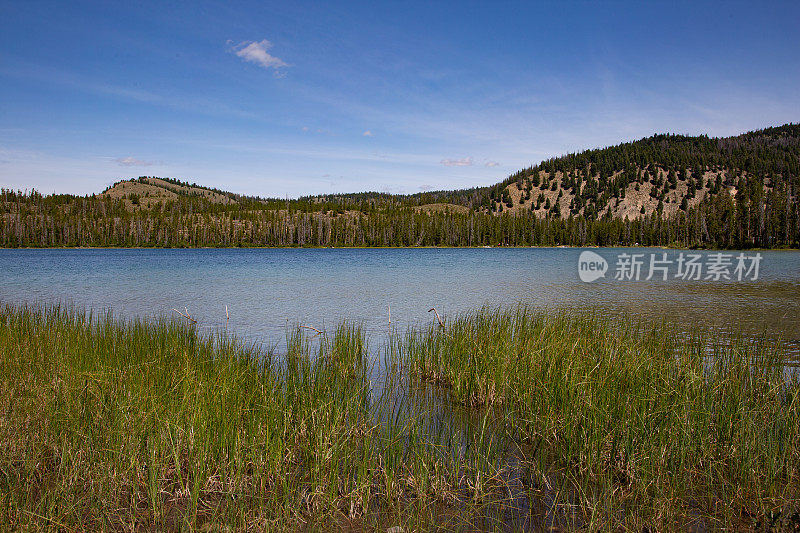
(754, 249)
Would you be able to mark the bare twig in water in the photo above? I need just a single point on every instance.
(390, 313)
(312, 328)
(185, 315)
(227, 317)
(441, 323)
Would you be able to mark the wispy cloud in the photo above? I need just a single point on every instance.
(132, 162)
(492, 164)
(256, 52)
(392, 189)
(63, 78)
(321, 131)
(465, 162)
(368, 133)
(80, 173)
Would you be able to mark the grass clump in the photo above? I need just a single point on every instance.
(633, 424)
(114, 425)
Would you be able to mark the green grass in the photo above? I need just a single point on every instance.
(500, 419)
(111, 425)
(635, 423)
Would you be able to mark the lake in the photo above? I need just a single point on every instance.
(269, 291)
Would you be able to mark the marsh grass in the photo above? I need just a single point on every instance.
(150, 425)
(503, 419)
(632, 424)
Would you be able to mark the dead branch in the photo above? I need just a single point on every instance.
(186, 315)
(312, 328)
(441, 323)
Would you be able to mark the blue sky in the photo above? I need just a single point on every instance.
(297, 98)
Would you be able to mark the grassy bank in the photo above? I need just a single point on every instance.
(149, 425)
(500, 419)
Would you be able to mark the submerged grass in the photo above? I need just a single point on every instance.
(507, 419)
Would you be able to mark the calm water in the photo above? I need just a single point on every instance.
(270, 290)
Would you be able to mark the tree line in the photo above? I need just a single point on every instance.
(32, 220)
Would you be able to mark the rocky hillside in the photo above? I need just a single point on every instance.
(643, 193)
(659, 174)
(147, 191)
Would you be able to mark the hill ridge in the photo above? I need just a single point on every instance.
(706, 191)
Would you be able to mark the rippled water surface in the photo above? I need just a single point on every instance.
(270, 290)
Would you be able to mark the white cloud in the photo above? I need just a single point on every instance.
(132, 162)
(256, 52)
(465, 162)
(492, 164)
(320, 131)
(392, 189)
(368, 133)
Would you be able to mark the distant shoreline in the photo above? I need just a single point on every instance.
(754, 249)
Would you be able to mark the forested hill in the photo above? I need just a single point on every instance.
(662, 190)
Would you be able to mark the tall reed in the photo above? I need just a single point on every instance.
(109, 425)
(630, 422)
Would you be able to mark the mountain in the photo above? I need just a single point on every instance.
(661, 190)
